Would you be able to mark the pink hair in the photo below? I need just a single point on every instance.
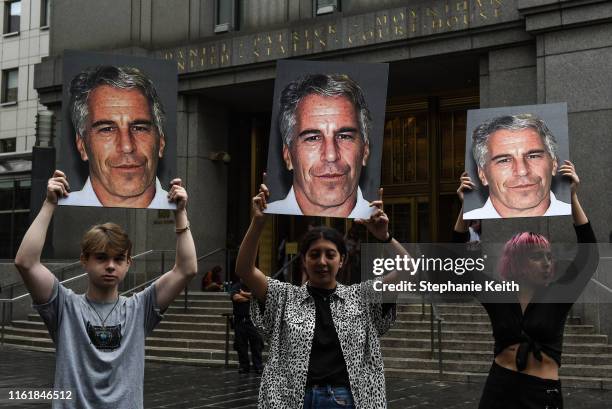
(513, 260)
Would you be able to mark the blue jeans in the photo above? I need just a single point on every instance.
(328, 397)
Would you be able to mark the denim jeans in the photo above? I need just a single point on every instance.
(328, 397)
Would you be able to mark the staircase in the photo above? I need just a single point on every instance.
(467, 348)
(197, 337)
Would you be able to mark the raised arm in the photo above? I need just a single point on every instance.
(247, 254)
(37, 278)
(378, 226)
(586, 260)
(568, 170)
(170, 285)
(461, 226)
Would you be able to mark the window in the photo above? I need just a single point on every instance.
(225, 15)
(45, 13)
(327, 6)
(12, 16)
(9, 85)
(8, 145)
(14, 215)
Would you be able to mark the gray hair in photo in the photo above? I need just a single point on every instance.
(328, 85)
(125, 78)
(519, 122)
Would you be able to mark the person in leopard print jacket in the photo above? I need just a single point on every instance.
(323, 337)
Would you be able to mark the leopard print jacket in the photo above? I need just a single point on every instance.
(287, 322)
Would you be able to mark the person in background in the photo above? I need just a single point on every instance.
(245, 333)
(212, 279)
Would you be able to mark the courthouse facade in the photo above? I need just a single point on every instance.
(445, 56)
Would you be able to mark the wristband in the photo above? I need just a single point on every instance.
(182, 230)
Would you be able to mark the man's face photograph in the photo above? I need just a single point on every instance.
(326, 138)
(326, 154)
(518, 171)
(121, 144)
(512, 157)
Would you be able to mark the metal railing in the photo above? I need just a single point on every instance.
(435, 316)
(285, 266)
(602, 285)
(60, 274)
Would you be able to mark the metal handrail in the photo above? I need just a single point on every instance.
(211, 253)
(287, 264)
(55, 272)
(434, 315)
(131, 290)
(68, 280)
(602, 285)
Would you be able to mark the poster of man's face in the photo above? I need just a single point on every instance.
(118, 145)
(512, 155)
(326, 138)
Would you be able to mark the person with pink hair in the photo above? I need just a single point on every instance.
(528, 325)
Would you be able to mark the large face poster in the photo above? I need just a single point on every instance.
(118, 145)
(512, 155)
(326, 138)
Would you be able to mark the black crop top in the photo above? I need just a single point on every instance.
(540, 328)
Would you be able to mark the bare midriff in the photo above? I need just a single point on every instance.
(547, 369)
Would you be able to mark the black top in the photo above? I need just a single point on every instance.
(326, 365)
(540, 328)
(241, 309)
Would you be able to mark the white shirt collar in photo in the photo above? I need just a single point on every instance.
(289, 205)
(556, 208)
(87, 197)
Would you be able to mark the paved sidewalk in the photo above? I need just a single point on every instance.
(190, 387)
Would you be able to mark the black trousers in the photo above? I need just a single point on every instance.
(506, 389)
(246, 334)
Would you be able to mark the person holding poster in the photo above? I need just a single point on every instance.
(326, 139)
(99, 336)
(516, 156)
(323, 336)
(528, 325)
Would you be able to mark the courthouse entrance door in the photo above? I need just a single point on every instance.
(423, 157)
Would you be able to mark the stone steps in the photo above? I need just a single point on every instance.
(484, 345)
(216, 359)
(212, 322)
(481, 356)
(582, 370)
(467, 377)
(197, 337)
(419, 349)
(483, 335)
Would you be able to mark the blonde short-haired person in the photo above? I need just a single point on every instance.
(99, 336)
